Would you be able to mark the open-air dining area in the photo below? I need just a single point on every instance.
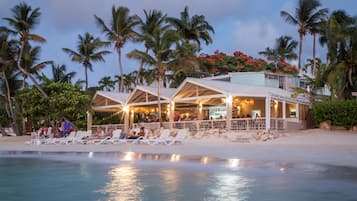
(203, 104)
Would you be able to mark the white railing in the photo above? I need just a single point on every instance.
(242, 124)
(107, 127)
(277, 124)
(248, 124)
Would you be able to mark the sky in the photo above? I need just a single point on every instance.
(245, 25)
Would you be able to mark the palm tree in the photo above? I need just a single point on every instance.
(162, 38)
(153, 18)
(23, 21)
(305, 17)
(87, 52)
(284, 49)
(193, 29)
(106, 83)
(119, 32)
(30, 58)
(340, 36)
(59, 74)
(8, 53)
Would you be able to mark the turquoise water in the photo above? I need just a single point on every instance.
(129, 176)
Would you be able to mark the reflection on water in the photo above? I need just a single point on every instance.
(136, 176)
(231, 187)
(124, 184)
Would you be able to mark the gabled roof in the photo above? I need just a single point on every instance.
(220, 89)
(147, 95)
(108, 101)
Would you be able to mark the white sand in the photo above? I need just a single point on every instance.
(317, 146)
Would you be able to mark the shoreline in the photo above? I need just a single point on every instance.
(337, 148)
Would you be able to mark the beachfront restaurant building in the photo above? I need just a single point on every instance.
(236, 101)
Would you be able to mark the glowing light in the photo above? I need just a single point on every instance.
(204, 160)
(282, 170)
(175, 158)
(276, 104)
(126, 108)
(228, 99)
(129, 156)
(90, 155)
(234, 162)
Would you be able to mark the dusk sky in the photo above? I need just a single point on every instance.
(245, 25)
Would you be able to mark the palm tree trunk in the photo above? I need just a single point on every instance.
(86, 74)
(26, 73)
(120, 71)
(313, 70)
(140, 67)
(10, 109)
(300, 50)
(158, 99)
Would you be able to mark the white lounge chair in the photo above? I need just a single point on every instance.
(179, 138)
(162, 139)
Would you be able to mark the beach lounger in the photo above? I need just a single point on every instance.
(179, 138)
(162, 139)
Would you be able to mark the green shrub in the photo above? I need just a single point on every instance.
(340, 113)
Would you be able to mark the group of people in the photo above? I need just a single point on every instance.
(63, 130)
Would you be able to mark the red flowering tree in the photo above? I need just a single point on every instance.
(220, 63)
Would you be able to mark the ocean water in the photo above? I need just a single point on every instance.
(130, 176)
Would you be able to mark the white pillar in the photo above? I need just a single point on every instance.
(229, 101)
(171, 114)
(284, 113)
(297, 112)
(89, 121)
(267, 112)
(126, 119)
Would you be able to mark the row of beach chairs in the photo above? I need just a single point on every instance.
(84, 137)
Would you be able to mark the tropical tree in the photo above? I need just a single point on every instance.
(194, 29)
(307, 15)
(8, 77)
(30, 58)
(159, 56)
(153, 19)
(119, 32)
(106, 83)
(340, 37)
(23, 22)
(59, 74)
(284, 49)
(87, 52)
(65, 100)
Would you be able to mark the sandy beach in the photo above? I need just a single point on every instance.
(310, 146)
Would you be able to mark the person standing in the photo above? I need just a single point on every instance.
(67, 127)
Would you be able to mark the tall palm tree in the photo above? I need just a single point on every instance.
(119, 32)
(153, 18)
(194, 29)
(87, 52)
(106, 83)
(59, 74)
(30, 57)
(160, 55)
(340, 36)
(23, 22)
(305, 17)
(284, 49)
(8, 53)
